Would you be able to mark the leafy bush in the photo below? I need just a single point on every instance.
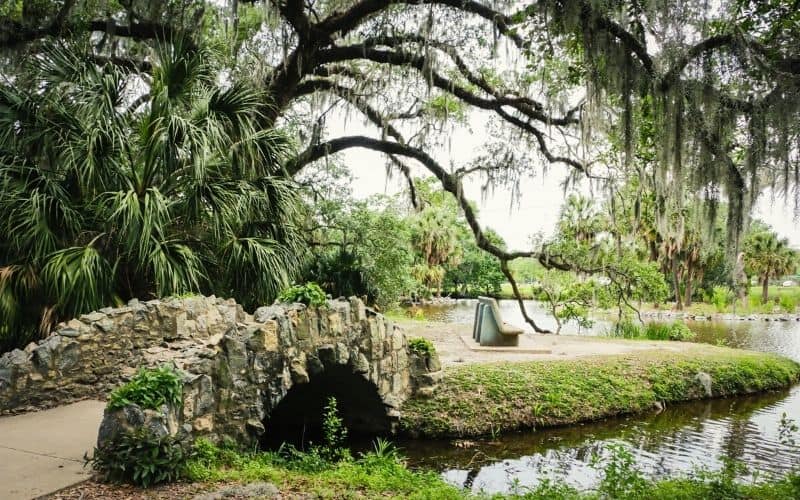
(657, 331)
(421, 347)
(627, 329)
(140, 457)
(150, 389)
(309, 294)
(720, 297)
(676, 330)
(788, 303)
(679, 331)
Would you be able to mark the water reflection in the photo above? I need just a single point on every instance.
(678, 440)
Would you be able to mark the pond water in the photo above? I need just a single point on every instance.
(678, 440)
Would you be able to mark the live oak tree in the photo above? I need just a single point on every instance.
(554, 80)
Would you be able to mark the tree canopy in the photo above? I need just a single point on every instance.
(696, 98)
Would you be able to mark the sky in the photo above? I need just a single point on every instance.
(542, 196)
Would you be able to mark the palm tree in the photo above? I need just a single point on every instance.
(580, 219)
(435, 237)
(116, 185)
(768, 257)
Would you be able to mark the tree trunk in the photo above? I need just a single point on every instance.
(687, 300)
(677, 285)
(765, 290)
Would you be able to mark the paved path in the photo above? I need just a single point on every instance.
(42, 452)
(447, 338)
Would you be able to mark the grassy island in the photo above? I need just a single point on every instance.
(487, 398)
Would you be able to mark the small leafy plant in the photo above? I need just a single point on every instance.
(309, 294)
(150, 389)
(334, 433)
(621, 478)
(140, 457)
(421, 347)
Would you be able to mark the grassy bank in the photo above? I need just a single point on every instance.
(384, 474)
(481, 399)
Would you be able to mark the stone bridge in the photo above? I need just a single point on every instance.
(242, 373)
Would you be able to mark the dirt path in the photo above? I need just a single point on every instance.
(453, 350)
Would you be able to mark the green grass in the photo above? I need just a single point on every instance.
(377, 474)
(383, 474)
(481, 399)
(506, 292)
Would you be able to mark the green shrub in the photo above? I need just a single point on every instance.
(788, 303)
(421, 347)
(721, 297)
(309, 294)
(627, 329)
(680, 332)
(150, 389)
(677, 330)
(657, 331)
(140, 457)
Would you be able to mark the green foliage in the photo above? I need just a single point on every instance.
(680, 332)
(140, 457)
(334, 433)
(446, 107)
(788, 303)
(627, 329)
(309, 294)
(378, 474)
(721, 296)
(677, 331)
(150, 389)
(787, 430)
(477, 272)
(421, 347)
(382, 474)
(620, 478)
(104, 202)
(364, 249)
(768, 257)
(568, 298)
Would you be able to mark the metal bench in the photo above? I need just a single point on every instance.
(490, 329)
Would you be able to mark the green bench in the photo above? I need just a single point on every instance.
(490, 329)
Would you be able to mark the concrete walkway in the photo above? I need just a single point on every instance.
(42, 452)
(454, 345)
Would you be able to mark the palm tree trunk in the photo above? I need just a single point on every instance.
(765, 289)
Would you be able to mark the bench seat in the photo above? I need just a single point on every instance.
(490, 329)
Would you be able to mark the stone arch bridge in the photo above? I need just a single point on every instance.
(242, 373)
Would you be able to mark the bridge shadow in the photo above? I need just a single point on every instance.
(297, 419)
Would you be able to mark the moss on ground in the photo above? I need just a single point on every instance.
(488, 398)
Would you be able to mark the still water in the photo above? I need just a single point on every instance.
(678, 440)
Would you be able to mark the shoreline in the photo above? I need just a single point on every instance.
(666, 314)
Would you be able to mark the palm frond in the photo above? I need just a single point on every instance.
(78, 278)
